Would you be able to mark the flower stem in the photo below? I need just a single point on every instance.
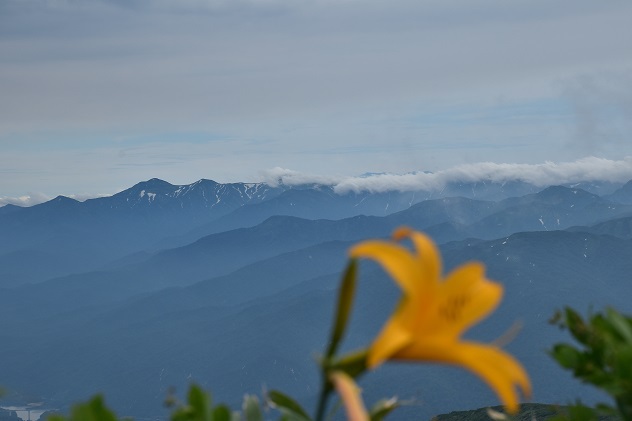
(325, 390)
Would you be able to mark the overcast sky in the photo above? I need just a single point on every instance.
(96, 95)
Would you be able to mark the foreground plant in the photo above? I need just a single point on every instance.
(603, 359)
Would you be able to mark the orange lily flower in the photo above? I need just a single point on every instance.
(434, 312)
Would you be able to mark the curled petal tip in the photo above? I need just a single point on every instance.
(401, 232)
(525, 386)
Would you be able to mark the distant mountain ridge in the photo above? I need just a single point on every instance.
(103, 229)
(481, 189)
(65, 235)
(622, 195)
(6, 209)
(201, 194)
(154, 214)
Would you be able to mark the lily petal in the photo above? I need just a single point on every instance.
(427, 252)
(395, 259)
(498, 369)
(465, 298)
(391, 339)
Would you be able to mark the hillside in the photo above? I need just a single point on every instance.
(247, 307)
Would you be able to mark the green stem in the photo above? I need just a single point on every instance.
(322, 400)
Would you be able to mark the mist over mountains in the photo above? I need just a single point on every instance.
(232, 286)
(597, 175)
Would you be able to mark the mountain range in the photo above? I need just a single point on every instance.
(232, 286)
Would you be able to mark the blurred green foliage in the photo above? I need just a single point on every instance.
(93, 410)
(602, 357)
(198, 407)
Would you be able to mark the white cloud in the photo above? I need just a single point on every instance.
(546, 174)
(26, 200)
(83, 197)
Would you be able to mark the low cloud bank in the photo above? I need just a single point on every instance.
(26, 200)
(542, 175)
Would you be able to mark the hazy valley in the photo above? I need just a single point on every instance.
(232, 286)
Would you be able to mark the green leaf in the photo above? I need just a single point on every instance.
(343, 309)
(622, 325)
(291, 416)
(181, 414)
(287, 404)
(221, 413)
(566, 355)
(606, 409)
(200, 403)
(251, 408)
(576, 325)
(93, 410)
(353, 364)
(382, 408)
(582, 413)
(623, 364)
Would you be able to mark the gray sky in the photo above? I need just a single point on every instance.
(96, 95)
